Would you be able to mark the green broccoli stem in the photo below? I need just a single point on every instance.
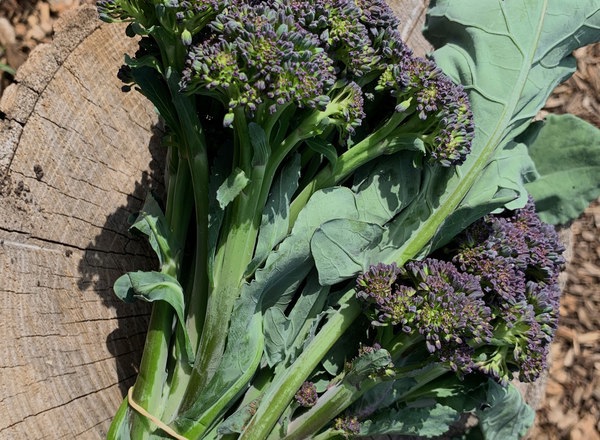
(285, 385)
(149, 388)
(376, 144)
(149, 385)
(234, 253)
(339, 397)
(330, 404)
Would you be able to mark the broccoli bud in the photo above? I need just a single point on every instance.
(307, 395)
(430, 297)
(258, 56)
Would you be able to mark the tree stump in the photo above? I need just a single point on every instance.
(77, 158)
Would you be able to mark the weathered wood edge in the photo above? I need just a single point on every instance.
(19, 99)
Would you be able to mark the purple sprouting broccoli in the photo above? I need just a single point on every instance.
(347, 426)
(491, 307)
(444, 121)
(336, 72)
(440, 306)
(319, 65)
(518, 259)
(307, 395)
(259, 59)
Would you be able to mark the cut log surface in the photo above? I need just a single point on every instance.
(77, 157)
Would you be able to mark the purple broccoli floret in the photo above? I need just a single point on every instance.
(258, 56)
(307, 395)
(431, 298)
(490, 306)
(518, 259)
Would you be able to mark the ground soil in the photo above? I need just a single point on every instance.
(570, 409)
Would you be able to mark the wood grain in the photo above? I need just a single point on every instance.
(76, 158)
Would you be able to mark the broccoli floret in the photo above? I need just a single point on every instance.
(258, 56)
(518, 259)
(307, 395)
(342, 29)
(430, 297)
(491, 307)
(264, 57)
(347, 426)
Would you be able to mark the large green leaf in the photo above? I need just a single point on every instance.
(508, 66)
(347, 245)
(566, 153)
(239, 362)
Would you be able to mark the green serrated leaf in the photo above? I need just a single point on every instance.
(155, 286)
(232, 187)
(566, 153)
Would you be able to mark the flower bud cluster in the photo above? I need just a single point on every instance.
(490, 306)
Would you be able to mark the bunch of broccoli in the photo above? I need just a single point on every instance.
(278, 113)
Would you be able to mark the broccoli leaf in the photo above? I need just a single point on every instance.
(506, 173)
(238, 365)
(342, 248)
(566, 153)
(506, 416)
(347, 245)
(427, 421)
(232, 187)
(275, 218)
(155, 286)
(285, 335)
(151, 222)
(508, 67)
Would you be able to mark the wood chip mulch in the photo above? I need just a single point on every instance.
(570, 409)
